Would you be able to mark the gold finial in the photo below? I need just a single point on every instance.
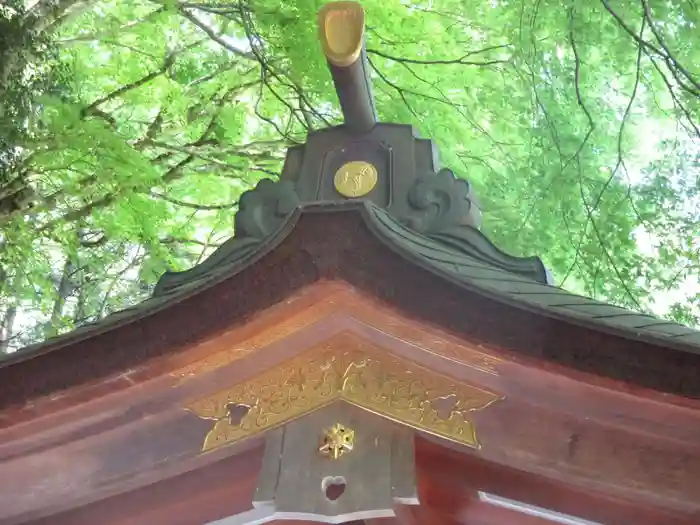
(342, 30)
(337, 440)
(355, 179)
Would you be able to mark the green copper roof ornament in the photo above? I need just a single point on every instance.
(388, 167)
(391, 177)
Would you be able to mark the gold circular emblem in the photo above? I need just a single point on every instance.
(355, 179)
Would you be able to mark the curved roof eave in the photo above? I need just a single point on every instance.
(523, 292)
(448, 262)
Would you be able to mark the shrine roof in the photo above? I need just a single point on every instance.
(358, 294)
(527, 292)
(475, 264)
(457, 283)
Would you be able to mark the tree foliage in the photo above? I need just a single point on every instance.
(578, 124)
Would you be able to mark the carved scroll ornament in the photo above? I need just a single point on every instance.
(440, 201)
(444, 208)
(262, 211)
(382, 384)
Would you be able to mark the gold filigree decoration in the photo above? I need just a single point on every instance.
(336, 441)
(344, 369)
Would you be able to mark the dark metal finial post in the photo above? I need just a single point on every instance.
(342, 34)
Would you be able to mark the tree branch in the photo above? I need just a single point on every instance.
(667, 51)
(462, 60)
(216, 38)
(128, 87)
(193, 205)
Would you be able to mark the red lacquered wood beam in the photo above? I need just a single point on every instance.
(423, 515)
(629, 446)
(588, 453)
(481, 513)
(213, 492)
(449, 480)
(319, 308)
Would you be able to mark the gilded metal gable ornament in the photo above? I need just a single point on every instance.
(350, 369)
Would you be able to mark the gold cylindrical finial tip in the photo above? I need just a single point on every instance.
(341, 30)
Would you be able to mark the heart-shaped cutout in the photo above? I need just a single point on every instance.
(333, 487)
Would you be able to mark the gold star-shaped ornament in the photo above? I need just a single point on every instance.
(337, 440)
